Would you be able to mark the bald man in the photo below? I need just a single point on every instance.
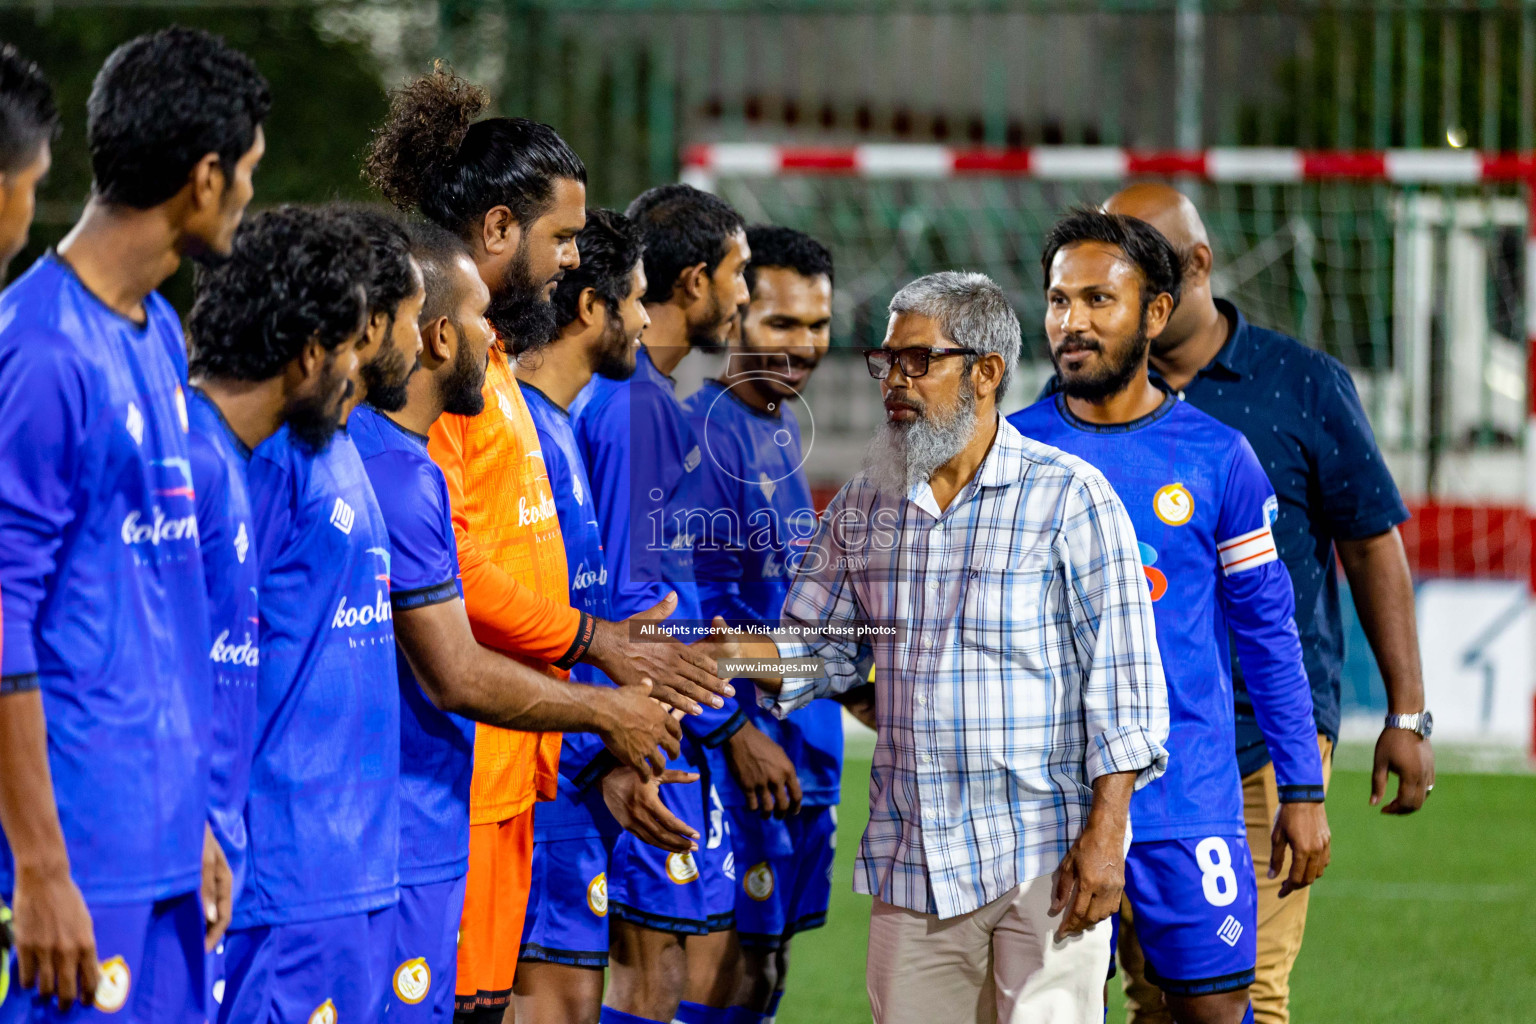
(1300, 412)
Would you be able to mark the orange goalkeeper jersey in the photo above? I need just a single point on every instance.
(512, 566)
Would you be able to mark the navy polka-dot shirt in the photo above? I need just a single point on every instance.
(1299, 410)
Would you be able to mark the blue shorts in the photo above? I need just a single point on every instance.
(1195, 907)
(681, 893)
(786, 874)
(717, 865)
(320, 972)
(151, 967)
(567, 920)
(424, 951)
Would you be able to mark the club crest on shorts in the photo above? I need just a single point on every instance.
(597, 893)
(113, 982)
(681, 868)
(1173, 504)
(325, 1013)
(413, 980)
(758, 882)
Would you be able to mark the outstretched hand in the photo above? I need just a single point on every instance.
(636, 805)
(641, 732)
(682, 676)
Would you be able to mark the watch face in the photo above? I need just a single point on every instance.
(1429, 725)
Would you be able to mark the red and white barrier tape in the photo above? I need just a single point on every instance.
(1238, 164)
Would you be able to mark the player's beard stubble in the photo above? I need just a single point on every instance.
(904, 454)
(387, 376)
(1118, 371)
(523, 317)
(314, 418)
(616, 350)
(462, 389)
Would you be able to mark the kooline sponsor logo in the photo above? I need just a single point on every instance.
(226, 653)
(136, 531)
(366, 615)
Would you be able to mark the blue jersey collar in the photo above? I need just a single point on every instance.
(229, 431)
(1150, 418)
(645, 368)
(529, 388)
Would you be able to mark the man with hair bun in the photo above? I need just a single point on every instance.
(104, 801)
(29, 120)
(515, 193)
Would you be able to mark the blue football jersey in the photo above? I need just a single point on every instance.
(1202, 508)
(437, 749)
(644, 462)
(323, 812)
(104, 602)
(578, 810)
(753, 470)
(219, 463)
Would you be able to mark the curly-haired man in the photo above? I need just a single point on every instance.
(276, 332)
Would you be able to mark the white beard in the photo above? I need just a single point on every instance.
(901, 456)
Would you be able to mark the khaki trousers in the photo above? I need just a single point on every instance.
(1281, 922)
(1000, 963)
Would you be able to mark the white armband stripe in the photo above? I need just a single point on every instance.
(1248, 551)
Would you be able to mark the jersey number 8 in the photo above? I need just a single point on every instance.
(1216, 875)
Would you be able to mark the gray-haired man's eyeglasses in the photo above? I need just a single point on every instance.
(914, 361)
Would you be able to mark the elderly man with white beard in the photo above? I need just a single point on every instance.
(997, 586)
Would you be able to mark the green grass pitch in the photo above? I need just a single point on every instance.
(1421, 919)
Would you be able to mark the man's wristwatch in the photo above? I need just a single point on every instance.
(1422, 723)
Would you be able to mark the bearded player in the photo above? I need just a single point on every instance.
(274, 340)
(395, 296)
(784, 836)
(514, 192)
(673, 951)
(565, 941)
(1202, 508)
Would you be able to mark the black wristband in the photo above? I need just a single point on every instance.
(586, 632)
(21, 682)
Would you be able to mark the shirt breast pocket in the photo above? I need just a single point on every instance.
(1005, 612)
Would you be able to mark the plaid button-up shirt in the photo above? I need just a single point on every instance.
(1023, 666)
